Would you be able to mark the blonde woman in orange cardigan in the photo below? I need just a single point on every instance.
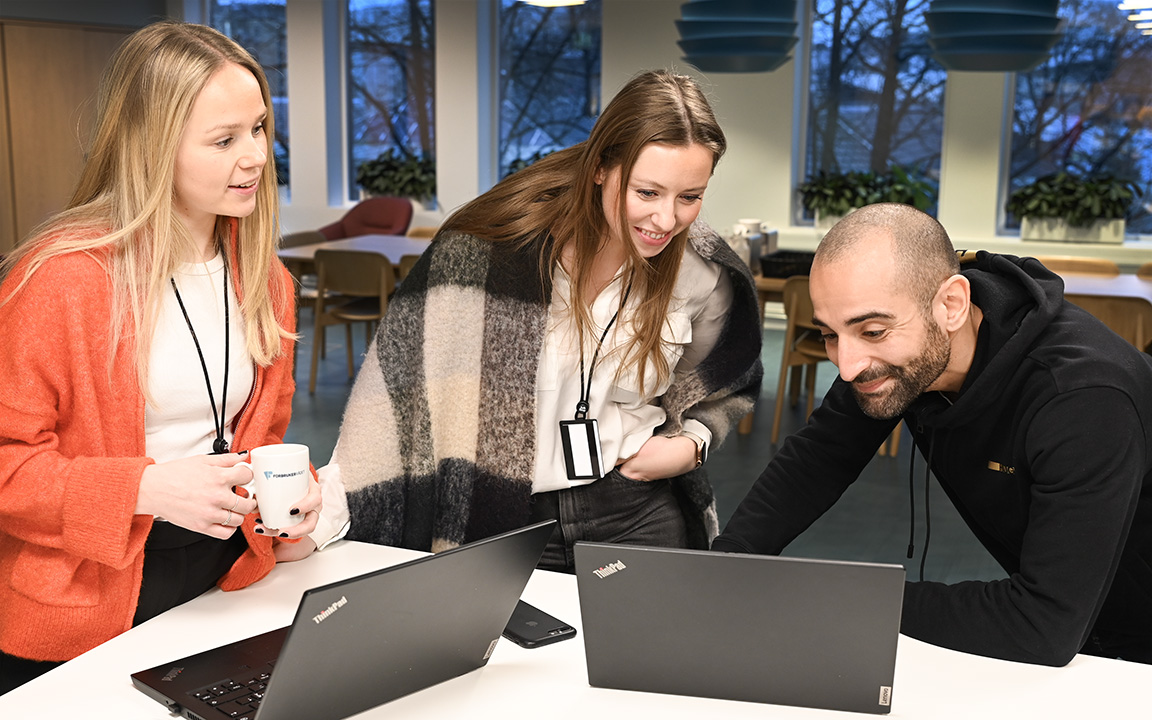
(148, 335)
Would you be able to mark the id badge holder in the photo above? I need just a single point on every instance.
(581, 441)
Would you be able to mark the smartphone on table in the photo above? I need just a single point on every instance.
(531, 627)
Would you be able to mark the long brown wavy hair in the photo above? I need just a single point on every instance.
(557, 204)
(122, 208)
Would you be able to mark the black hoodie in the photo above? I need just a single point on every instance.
(1047, 455)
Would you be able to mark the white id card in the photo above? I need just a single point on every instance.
(581, 441)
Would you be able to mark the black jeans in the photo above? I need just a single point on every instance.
(614, 509)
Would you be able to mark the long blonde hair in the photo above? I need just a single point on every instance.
(122, 208)
(557, 203)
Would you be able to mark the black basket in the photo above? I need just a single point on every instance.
(786, 263)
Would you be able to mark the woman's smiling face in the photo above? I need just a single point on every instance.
(222, 151)
(663, 194)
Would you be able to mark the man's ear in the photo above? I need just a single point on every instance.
(953, 303)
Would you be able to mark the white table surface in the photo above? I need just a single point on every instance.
(551, 682)
(392, 247)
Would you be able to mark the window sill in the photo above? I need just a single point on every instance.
(1133, 252)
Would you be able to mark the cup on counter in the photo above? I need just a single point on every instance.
(280, 477)
(748, 226)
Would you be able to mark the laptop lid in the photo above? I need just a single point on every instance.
(360, 642)
(788, 631)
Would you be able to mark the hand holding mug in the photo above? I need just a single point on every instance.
(282, 486)
(195, 493)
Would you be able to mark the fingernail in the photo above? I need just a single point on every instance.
(242, 452)
(294, 511)
(259, 531)
(283, 534)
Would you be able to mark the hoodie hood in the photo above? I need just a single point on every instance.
(1019, 299)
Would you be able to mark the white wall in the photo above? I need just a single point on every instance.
(308, 206)
(459, 99)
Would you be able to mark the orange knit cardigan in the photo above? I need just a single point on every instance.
(71, 458)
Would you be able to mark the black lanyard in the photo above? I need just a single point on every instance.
(586, 390)
(219, 445)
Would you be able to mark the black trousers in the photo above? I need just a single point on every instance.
(614, 509)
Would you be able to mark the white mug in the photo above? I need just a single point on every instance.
(280, 477)
(748, 226)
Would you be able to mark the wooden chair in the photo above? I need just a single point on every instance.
(1145, 270)
(367, 277)
(305, 279)
(405, 266)
(803, 351)
(423, 231)
(1095, 266)
(382, 215)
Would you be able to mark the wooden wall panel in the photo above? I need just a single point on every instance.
(7, 198)
(52, 72)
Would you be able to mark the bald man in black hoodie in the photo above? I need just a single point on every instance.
(1035, 418)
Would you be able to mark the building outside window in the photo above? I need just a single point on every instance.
(260, 27)
(391, 81)
(875, 96)
(549, 83)
(1088, 108)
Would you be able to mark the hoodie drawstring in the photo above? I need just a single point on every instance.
(927, 507)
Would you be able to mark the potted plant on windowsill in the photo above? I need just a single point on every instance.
(399, 175)
(1062, 207)
(831, 196)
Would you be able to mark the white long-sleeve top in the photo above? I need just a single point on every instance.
(178, 421)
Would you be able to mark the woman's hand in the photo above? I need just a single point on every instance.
(290, 552)
(660, 457)
(309, 507)
(197, 493)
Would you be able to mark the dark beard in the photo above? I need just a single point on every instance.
(911, 380)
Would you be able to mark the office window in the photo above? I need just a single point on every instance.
(876, 96)
(1088, 108)
(391, 81)
(260, 27)
(549, 85)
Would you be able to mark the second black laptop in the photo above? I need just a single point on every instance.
(361, 642)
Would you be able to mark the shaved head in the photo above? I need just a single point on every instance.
(923, 255)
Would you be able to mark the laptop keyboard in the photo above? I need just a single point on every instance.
(235, 699)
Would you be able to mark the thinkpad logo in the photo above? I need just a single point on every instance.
(172, 674)
(325, 614)
(610, 569)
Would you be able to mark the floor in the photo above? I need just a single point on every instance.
(869, 523)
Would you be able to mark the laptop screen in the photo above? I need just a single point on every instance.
(811, 633)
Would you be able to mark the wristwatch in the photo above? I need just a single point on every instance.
(701, 447)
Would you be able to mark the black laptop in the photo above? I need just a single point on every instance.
(788, 631)
(360, 642)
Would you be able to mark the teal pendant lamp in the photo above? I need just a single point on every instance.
(737, 35)
(993, 35)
